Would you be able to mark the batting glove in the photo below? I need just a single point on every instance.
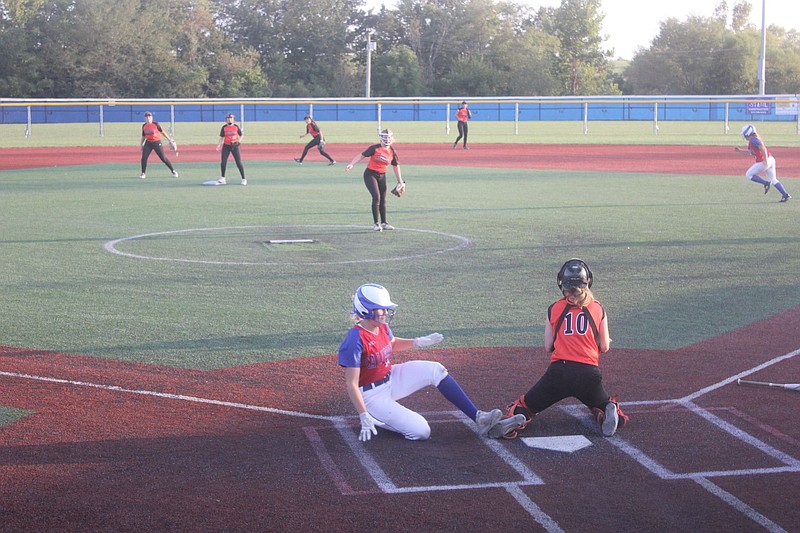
(429, 340)
(368, 428)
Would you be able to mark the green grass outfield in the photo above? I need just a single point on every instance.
(599, 132)
(677, 259)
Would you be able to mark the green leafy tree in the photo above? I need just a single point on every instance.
(703, 56)
(303, 45)
(396, 73)
(782, 66)
(581, 64)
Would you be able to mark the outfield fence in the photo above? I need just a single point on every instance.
(722, 109)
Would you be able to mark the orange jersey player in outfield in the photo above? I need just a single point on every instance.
(462, 116)
(151, 142)
(230, 138)
(317, 139)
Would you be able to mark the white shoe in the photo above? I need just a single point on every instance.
(386, 226)
(142, 176)
(244, 181)
(222, 181)
(376, 227)
(506, 426)
(174, 173)
(609, 424)
(486, 420)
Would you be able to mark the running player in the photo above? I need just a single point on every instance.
(151, 141)
(230, 137)
(765, 163)
(317, 139)
(576, 334)
(374, 384)
(380, 157)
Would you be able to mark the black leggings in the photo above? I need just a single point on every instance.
(376, 185)
(315, 141)
(463, 130)
(150, 146)
(227, 150)
(564, 379)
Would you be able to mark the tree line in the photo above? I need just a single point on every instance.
(317, 48)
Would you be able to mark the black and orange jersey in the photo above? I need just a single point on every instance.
(463, 114)
(380, 157)
(576, 336)
(312, 128)
(231, 133)
(151, 131)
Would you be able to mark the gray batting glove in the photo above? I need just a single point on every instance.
(429, 340)
(368, 428)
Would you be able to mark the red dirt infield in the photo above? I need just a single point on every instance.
(699, 160)
(114, 446)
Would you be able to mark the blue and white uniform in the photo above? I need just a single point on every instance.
(382, 383)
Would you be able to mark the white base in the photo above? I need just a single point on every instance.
(211, 182)
(564, 443)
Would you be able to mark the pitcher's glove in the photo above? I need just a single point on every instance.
(399, 189)
(173, 145)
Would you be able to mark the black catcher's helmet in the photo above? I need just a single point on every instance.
(574, 274)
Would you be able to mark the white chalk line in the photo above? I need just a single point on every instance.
(182, 397)
(111, 247)
(791, 463)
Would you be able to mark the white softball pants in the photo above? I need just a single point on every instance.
(407, 378)
(768, 168)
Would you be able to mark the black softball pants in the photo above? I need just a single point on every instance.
(565, 379)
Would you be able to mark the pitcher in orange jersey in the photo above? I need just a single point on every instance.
(462, 115)
(151, 141)
(381, 156)
(575, 335)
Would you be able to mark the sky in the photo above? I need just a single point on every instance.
(631, 24)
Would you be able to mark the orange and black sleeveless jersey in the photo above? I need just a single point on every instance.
(576, 336)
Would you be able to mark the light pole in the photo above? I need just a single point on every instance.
(370, 48)
(762, 59)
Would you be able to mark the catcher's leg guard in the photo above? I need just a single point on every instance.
(518, 407)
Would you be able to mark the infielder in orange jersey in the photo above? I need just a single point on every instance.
(575, 335)
(462, 116)
(151, 141)
(317, 139)
(230, 137)
(381, 156)
(765, 163)
(375, 385)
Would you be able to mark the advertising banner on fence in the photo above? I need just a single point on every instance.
(759, 107)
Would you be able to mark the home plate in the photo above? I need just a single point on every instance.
(564, 443)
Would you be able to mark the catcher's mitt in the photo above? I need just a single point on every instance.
(399, 189)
